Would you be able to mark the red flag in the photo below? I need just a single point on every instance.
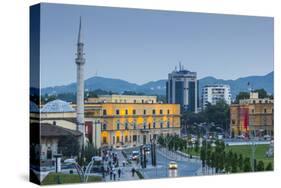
(246, 118)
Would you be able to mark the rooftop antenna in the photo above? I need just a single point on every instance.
(180, 65)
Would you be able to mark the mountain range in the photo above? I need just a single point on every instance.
(159, 87)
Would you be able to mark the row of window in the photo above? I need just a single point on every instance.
(134, 125)
(264, 110)
(134, 138)
(117, 112)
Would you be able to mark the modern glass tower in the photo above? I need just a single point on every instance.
(182, 88)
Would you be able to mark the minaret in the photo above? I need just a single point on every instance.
(80, 61)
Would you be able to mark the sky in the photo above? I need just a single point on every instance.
(145, 45)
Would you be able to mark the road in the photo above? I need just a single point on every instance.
(186, 167)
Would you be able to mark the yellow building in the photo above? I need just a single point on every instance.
(254, 116)
(131, 124)
(118, 124)
(123, 99)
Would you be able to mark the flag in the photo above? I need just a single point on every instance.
(246, 118)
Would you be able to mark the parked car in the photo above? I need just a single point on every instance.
(267, 137)
(240, 136)
(135, 155)
(173, 165)
(72, 161)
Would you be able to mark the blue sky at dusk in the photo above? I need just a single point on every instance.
(145, 45)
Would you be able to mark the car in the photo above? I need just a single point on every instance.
(240, 136)
(267, 137)
(147, 149)
(173, 165)
(135, 155)
(70, 161)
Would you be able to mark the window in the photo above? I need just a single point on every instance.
(161, 125)
(126, 112)
(168, 112)
(144, 112)
(134, 138)
(49, 153)
(134, 112)
(126, 138)
(117, 112)
(154, 125)
(168, 124)
(161, 112)
(153, 112)
(104, 126)
(135, 125)
(104, 140)
(149, 126)
(126, 125)
(264, 110)
(253, 111)
(144, 125)
(117, 139)
(118, 125)
(113, 139)
(233, 121)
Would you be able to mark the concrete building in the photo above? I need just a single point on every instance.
(123, 99)
(182, 88)
(213, 93)
(253, 116)
(132, 124)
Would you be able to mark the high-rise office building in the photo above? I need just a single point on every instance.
(182, 88)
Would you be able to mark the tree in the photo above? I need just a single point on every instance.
(203, 153)
(269, 167)
(217, 114)
(68, 146)
(161, 141)
(240, 162)
(247, 165)
(90, 151)
(196, 149)
(234, 163)
(260, 166)
(242, 95)
(228, 161)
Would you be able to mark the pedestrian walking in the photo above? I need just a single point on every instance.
(111, 173)
(114, 176)
(133, 171)
(119, 173)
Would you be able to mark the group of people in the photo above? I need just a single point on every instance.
(112, 169)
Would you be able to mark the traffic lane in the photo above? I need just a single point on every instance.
(185, 168)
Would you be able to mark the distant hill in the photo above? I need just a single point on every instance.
(241, 84)
(159, 87)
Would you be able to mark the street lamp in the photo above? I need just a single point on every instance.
(83, 175)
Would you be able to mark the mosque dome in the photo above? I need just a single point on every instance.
(33, 107)
(57, 106)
